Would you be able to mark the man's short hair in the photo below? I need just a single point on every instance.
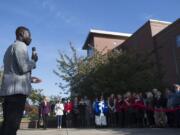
(20, 29)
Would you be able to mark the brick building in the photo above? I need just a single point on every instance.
(160, 38)
(103, 41)
(167, 44)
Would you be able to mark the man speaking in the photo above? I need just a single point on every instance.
(16, 83)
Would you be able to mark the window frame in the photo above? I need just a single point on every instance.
(178, 41)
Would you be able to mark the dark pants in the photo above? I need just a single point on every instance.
(76, 120)
(139, 118)
(126, 118)
(129, 118)
(171, 118)
(82, 119)
(120, 119)
(68, 120)
(59, 120)
(150, 115)
(45, 120)
(177, 115)
(13, 107)
(111, 119)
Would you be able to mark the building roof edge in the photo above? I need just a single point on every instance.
(110, 33)
(158, 21)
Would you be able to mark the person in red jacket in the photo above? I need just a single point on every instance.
(140, 108)
(132, 111)
(68, 111)
(119, 107)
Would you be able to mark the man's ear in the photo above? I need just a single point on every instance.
(21, 35)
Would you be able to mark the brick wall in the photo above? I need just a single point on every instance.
(169, 53)
(105, 43)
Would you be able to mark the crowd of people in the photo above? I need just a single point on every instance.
(153, 108)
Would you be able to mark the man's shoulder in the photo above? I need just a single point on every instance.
(19, 45)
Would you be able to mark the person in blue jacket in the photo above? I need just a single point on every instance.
(101, 110)
(176, 103)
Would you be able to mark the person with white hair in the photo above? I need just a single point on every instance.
(160, 117)
(111, 108)
(155, 91)
(45, 111)
(119, 106)
(150, 107)
(128, 109)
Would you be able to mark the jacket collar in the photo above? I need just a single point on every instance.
(19, 42)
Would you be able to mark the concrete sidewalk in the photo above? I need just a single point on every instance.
(125, 131)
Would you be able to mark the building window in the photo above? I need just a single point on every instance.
(90, 51)
(178, 41)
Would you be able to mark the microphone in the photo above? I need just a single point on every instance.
(33, 48)
(35, 58)
(34, 54)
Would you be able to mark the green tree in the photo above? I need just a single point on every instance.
(67, 69)
(36, 96)
(54, 99)
(115, 72)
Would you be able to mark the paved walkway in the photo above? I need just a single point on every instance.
(142, 131)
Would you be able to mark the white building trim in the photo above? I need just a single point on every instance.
(157, 21)
(110, 33)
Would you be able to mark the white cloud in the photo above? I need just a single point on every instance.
(49, 5)
(56, 12)
(66, 18)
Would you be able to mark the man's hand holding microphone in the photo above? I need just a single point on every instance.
(34, 57)
(34, 54)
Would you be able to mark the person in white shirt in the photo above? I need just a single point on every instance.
(59, 108)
